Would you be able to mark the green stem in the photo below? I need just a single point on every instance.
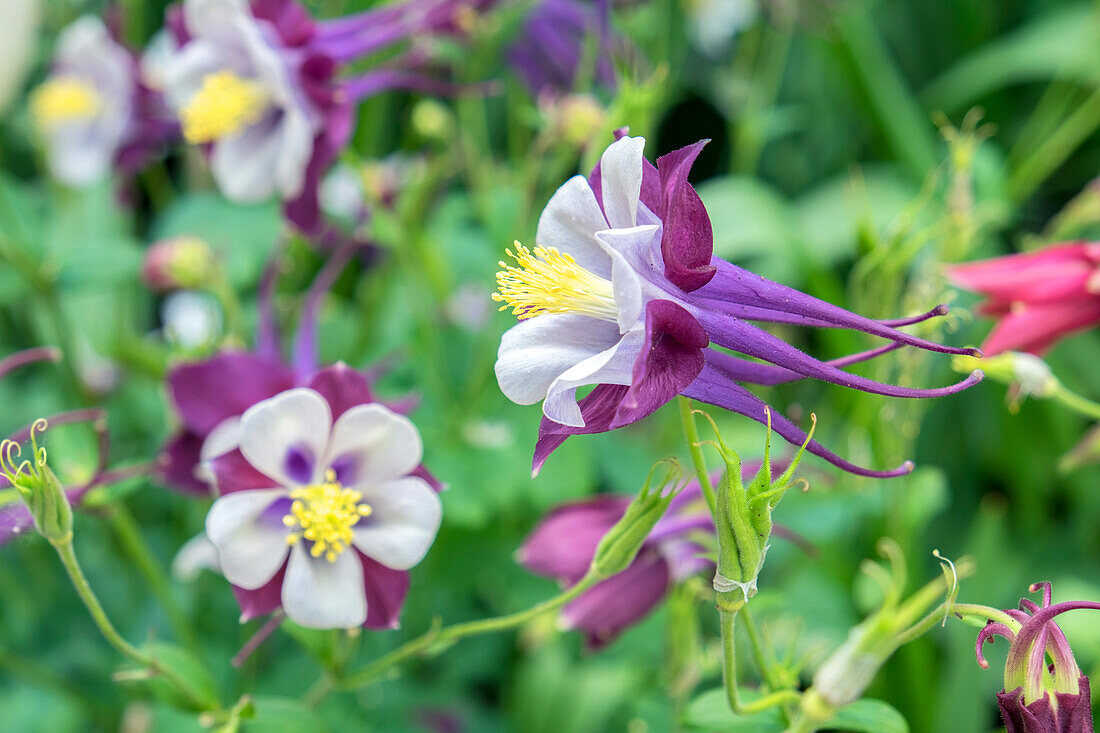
(448, 635)
(126, 528)
(1055, 149)
(1076, 402)
(990, 614)
(95, 608)
(729, 674)
(691, 432)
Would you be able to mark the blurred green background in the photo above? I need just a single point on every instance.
(829, 170)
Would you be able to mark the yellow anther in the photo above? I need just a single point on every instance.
(324, 514)
(549, 281)
(223, 106)
(64, 99)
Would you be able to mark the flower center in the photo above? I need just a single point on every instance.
(224, 105)
(324, 514)
(549, 281)
(64, 99)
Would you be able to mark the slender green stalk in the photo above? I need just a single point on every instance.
(1076, 402)
(691, 432)
(1055, 149)
(729, 674)
(95, 608)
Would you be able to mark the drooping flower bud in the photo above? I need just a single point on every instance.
(38, 487)
(180, 262)
(621, 544)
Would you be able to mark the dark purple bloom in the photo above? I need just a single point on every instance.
(622, 293)
(1040, 697)
(260, 85)
(553, 43)
(563, 544)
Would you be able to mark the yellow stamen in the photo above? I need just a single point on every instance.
(324, 514)
(223, 106)
(64, 99)
(549, 281)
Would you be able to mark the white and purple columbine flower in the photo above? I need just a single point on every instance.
(322, 517)
(1040, 697)
(257, 84)
(563, 544)
(621, 292)
(93, 111)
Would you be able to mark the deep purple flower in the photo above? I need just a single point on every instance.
(553, 43)
(622, 292)
(563, 544)
(94, 111)
(259, 84)
(1039, 697)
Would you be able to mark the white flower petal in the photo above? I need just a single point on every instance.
(245, 165)
(196, 555)
(371, 444)
(403, 524)
(250, 549)
(298, 419)
(570, 222)
(614, 366)
(621, 181)
(319, 594)
(225, 436)
(536, 351)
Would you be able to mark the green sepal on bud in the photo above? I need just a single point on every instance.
(744, 519)
(621, 544)
(38, 487)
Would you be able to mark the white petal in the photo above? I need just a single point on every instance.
(379, 444)
(246, 165)
(614, 366)
(536, 351)
(630, 251)
(196, 555)
(403, 524)
(319, 594)
(225, 436)
(215, 19)
(570, 222)
(621, 181)
(298, 419)
(250, 549)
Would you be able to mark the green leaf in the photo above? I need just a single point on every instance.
(711, 712)
(282, 715)
(188, 667)
(869, 716)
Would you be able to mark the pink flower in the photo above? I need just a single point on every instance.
(1037, 297)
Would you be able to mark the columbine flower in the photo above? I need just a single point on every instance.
(93, 111)
(322, 518)
(563, 545)
(1037, 697)
(621, 291)
(712, 24)
(1039, 297)
(549, 51)
(258, 85)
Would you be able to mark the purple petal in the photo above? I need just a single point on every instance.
(208, 392)
(263, 600)
(714, 388)
(687, 242)
(612, 605)
(233, 472)
(597, 409)
(422, 472)
(743, 370)
(305, 211)
(177, 461)
(292, 22)
(386, 590)
(564, 542)
(343, 388)
(1070, 713)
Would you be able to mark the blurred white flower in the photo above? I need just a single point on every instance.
(342, 193)
(157, 59)
(191, 319)
(712, 24)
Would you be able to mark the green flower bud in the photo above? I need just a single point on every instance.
(621, 544)
(180, 262)
(39, 488)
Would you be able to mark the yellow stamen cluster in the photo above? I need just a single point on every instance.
(549, 281)
(324, 514)
(64, 99)
(223, 106)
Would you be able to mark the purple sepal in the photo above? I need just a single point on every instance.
(715, 388)
(176, 24)
(422, 472)
(687, 242)
(291, 21)
(548, 52)
(612, 605)
(263, 600)
(386, 590)
(597, 409)
(563, 544)
(232, 472)
(1069, 714)
(342, 386)
(177, 461)
(208, 392)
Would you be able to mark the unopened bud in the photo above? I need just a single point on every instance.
(180, 262)
(621, 544)
(432, 120)
(38, 487)
(575, 118)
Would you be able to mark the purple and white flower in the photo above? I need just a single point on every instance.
(323, 515)
(622, 293)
